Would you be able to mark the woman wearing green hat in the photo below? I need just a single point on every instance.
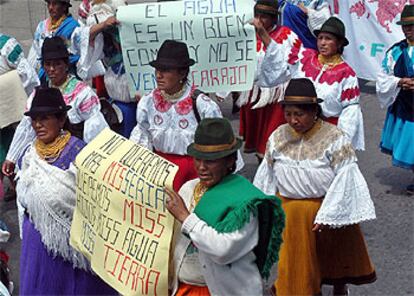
(334, 79)
(311, 165)
(229, 236)
(395, 90)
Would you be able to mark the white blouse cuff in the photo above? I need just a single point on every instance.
(347, 201)
(93, 126)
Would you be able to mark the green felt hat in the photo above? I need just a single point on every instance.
(213, 139)
(407, 16)
(334, 26)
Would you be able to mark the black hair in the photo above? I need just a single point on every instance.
(308, 108)
(232, 156)
(4, 274)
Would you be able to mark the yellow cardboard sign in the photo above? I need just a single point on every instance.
(120, 222)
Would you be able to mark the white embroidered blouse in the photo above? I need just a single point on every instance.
(320, 163)
(169, 127)
(337, 85)
(85, 108)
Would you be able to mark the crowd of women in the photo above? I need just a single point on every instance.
(294, 230)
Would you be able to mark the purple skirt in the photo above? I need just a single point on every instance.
(41, 274)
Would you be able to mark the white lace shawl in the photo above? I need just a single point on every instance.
(48, 195)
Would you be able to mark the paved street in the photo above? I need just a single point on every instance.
(390, 238)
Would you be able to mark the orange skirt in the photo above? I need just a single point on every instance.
(309, 259)
(191, 290)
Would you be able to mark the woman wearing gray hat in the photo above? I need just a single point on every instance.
(229, 232)
(311, 166)
(334, 79)
(395, 90)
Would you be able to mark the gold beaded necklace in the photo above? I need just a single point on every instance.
(331, 61)
(175, 96)
(51, 152)
(199, 191)
(54, 25)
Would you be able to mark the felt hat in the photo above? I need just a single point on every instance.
(67, 2)
(300, 92)
(334, 26)
(47, 100)
(407, 16)
(54, 48)
(213, 139)
(266, 7)
(172, 55)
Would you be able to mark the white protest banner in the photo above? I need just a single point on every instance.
(216, 32)
(371, 29)
(120, 221)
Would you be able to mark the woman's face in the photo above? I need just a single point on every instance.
(299, 119)
(328, 44)
(266, 19)
(56, 9)
(211, 172)
(168, 80)
(47, 127)
(408, 31)
(56, 70)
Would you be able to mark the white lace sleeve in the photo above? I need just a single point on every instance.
(347, 200)
(387, 89)
(317, 16)
(275, 68)
(265, 178)
(27, 75)
(90, 52)
(23, 136)
(140, 133)
(351, 122)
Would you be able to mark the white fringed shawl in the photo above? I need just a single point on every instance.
(48, 194)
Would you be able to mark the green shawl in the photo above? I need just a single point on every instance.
(227, 206)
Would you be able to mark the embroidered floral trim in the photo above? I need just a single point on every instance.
(350, 93)
(294, 52)
(302, 148)
(344, 153)
(182, 107)
(312, 68)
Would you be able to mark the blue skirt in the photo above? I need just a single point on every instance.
(398, 140)
(43, 274)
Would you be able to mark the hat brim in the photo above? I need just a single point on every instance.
(54, 56)
(212, 155)
(258, 10)
(64, 2)
(301, 103)
(169, 64)
(405, 23)
(45, 111)
(332, 31)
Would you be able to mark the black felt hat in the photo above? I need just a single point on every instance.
(67, 2)
(54, 48)
(47, 100)
(213, 139)
(407, 16)
(172, 54)
(300, 92)
(334, 26)
(266, 7)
